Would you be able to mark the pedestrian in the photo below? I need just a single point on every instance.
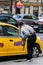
(28, 31)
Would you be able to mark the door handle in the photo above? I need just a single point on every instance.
(11, 40)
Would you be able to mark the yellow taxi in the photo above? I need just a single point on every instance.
(11, 42)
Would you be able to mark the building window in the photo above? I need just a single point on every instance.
(27, 10)
(4, 6)
(25, 0)
(42, 8)
(35, 10)
(35, 1)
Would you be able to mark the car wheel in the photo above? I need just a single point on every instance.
(35, 51)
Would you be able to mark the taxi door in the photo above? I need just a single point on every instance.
(3, 43)
(14, 41)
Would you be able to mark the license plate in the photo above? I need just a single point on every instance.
(35, 26)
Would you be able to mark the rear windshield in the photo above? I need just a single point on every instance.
(34, 17)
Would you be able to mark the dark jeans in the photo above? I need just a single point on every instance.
(30, 43)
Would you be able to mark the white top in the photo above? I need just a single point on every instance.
(26, 30)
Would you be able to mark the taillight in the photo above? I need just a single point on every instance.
(40, 23)
(1, 44)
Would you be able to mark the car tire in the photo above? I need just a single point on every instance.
(36, 50)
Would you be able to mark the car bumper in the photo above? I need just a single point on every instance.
(35, 27)
(40, 27)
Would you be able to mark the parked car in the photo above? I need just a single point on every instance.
(40, 25)
(6, 14)
(11, 43)
(28, 19)
(8, 19)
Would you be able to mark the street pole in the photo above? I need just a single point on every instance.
(11, 6)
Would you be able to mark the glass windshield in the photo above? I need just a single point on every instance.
(11, 20)
(12, 31)
(34, 17)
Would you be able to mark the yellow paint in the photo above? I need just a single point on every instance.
(38, 40)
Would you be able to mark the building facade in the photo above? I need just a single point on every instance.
(5, 6)
(29, 7)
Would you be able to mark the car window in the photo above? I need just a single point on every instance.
(3, 18)
(34, 17)
(18, 16)
(12, 31)
(11, 20)
(27, 17)
(8, 31)
(1, 31)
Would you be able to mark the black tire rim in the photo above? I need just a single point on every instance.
(35, 52)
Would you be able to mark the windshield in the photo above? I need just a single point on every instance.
(35, 17)
(11, 20)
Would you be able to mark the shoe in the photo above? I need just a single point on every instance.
(29, 58)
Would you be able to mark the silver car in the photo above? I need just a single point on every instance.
(28, 19)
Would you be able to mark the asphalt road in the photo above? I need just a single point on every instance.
(34, 61)
(40, 35)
